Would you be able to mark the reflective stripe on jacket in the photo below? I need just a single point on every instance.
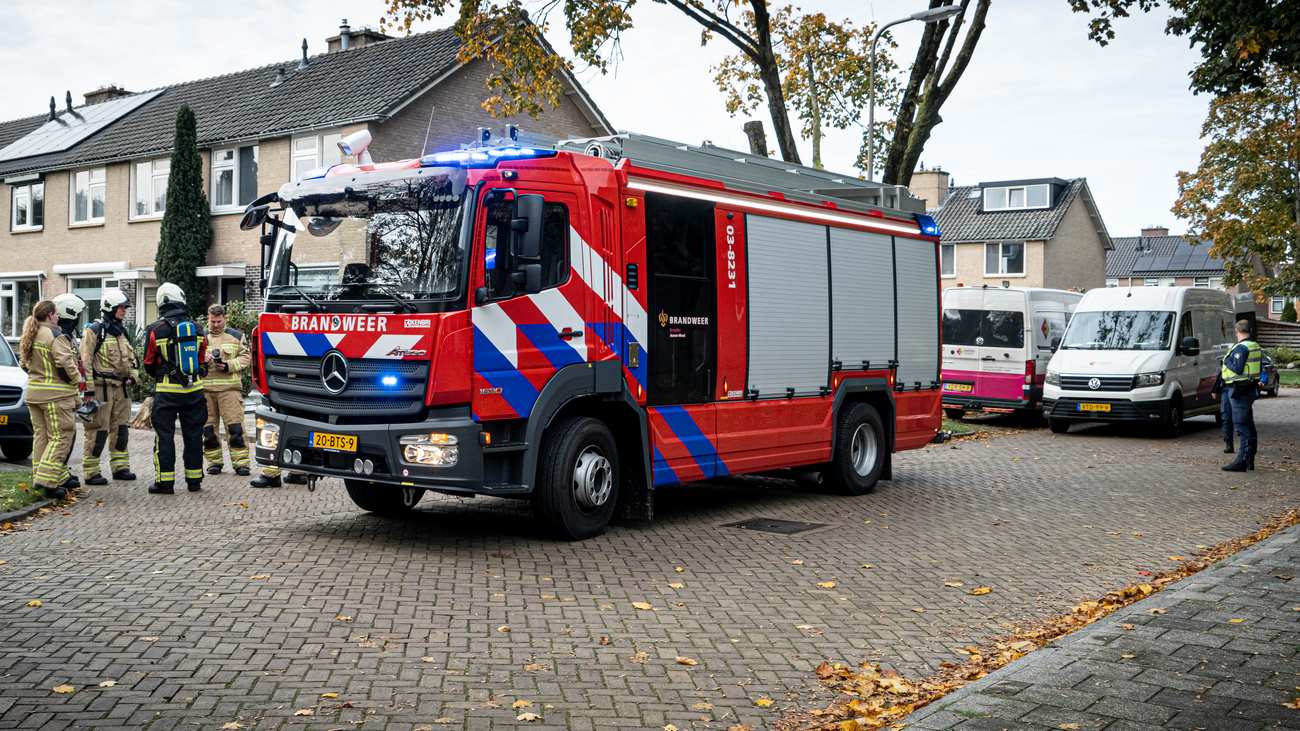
(53, 371)
(232, 346)
(1250, 368)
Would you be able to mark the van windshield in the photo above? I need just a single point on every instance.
(991, 328)
(1119, 330)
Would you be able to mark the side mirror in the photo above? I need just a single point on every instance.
(1190, 346)
(1056, 344)
(254, 216)
(528, 278)
(526, 228)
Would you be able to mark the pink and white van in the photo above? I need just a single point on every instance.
(996, 345)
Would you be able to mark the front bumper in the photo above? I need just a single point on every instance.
(1119, 410)
(379, 444)
(18, 421)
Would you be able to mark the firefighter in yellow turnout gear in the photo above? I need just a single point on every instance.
(108, 360)
(54, 383)
(228, 358)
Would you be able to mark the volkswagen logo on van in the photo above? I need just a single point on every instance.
(334, 372)
(1093, 383)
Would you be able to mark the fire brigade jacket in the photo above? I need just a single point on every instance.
(160, 347)
(106, 354)
(229, 343)
(53, 371)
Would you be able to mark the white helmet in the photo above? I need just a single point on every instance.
(169, 293)
(113, 298)
(69, 306)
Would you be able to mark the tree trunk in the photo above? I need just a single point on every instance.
(757, 137)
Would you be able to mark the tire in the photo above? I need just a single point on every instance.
(1174, 424)
(383, 499)
(16, 450)
(577, 478)
(860, 451)
(954, 414)
(1058, 426)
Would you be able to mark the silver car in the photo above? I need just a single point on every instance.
(15, 421)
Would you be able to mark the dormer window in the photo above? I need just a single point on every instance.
(1017, 197)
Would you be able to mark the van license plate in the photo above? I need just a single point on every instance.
(334, 442)
(4, 419)
(958, 387)
(1094, 407)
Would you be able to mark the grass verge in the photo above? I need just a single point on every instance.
(16, 490)
(959, 428)
(1288, 377)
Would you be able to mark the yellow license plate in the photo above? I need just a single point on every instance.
(4, 419)
(1094, 407)
(334, 442)
(962, 387)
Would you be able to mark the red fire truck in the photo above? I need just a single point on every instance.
(580, 323)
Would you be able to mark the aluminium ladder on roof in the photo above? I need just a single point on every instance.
(748, 172)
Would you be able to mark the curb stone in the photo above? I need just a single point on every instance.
(23, 512)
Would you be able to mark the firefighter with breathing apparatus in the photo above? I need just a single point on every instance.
(228, 358)
(175, 356)
(54, 382)
(108, 360)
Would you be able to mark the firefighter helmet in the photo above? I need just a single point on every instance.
(113, 298)
(69, 306)
(169, 293)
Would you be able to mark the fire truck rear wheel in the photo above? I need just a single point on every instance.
(859, 451)
(577, 478)
(383, 499)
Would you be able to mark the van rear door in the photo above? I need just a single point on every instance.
(1003, 345)
(962, 316)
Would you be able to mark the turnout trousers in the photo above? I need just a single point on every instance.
(225, 407)
(192, 411)
(110, 429)
(54, 427)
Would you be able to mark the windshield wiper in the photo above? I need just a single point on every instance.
(315, 306)
(402, 304)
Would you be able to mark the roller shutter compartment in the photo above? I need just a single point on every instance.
(918, 312)
(789, 329)
(862, 298)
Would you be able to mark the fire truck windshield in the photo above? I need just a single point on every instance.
(402, 239)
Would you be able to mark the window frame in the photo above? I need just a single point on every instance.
(28, 191)
(566, 266)
(154, 212)
(106, 280)
(1201, 282)
(1000, 198)
(236, 180)
(317, 155)
(1276, 305)
(948, 265)
(1002, 260)
(91, 184)
(1112, 282)
(14, 316)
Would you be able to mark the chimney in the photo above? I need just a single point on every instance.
(303, 63)
(931, 186)
(348, 39)
(345, 31)
(54, 110)
(105, 93)
(1154, 231)
(757, 138)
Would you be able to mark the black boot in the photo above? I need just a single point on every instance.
(96, 480)
(242, 471)
(123, 475)
(194, 485)
(1228, 448)
(265, 481)
(70, 484)
(55, 493)
(214, 469)
(296, 478)
(1238, 465)
(162, 488)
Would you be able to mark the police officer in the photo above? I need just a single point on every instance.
(228, 357)
(108, 360)
(53, 382)
(175, 355)
(1240, 374)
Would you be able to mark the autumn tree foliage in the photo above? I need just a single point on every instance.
(1245, 194)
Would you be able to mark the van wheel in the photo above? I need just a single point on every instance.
(383, 499)
(860, 446)
(954, 414)
(577, 478)
(1058, 426)
(16, 449)
(1174, 424)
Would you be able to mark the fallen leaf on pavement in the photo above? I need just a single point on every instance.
(640, 657)
(604, 640)
(644, 606)
(677, 585)
(150, 639)
(953, 584)
(533, 667)
(980, 591)
(521, 703)
(528, 716)
(1286, 577)
(64, 689)
(1126, 626)
(702, 707)
(342, 618)
(35, 603)
(689, 662)
(504, 629)
(1236, 620)
(738, 727)
(826, 584)
(1177, 558)
(1157, 610)
(679, 569)
(764, 702)
(107, 683)
(1069, 727)
(918, 610)
(442, 720)
(305, 712)
(259, 577)
(1127, 656)
(868, 565)
(427, 658)
(1295, 704)
(1023, 646)
(669, 727)
(329, 696)
(231, 726)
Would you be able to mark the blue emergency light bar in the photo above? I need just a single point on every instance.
(482, 157)
(927, 224)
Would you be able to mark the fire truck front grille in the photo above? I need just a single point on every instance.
(374, 387)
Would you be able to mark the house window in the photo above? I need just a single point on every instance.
(1276, 305)
(91, 291)
(231, 289)
(1167, 281)
(27, 212)
(947, 258)
(1112, 282)
(1201, 282)
(234, 177)
(88, 192)
(17, 298)
(149, 188)
(149, 304)
(315, 151)
(1216, 282)
(1004, 258)
(1017, 197)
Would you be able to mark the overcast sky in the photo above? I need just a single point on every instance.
(1039, 99)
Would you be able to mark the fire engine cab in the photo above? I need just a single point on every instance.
(579, 323)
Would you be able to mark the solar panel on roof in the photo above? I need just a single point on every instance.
(1181, 258)
(70, 128)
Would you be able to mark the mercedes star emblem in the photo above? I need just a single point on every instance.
(1093, 383)
(334, 372)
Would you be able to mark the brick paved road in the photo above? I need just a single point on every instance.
(155, 594)
(1223, 652)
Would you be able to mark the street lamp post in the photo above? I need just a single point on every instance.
(925, 16)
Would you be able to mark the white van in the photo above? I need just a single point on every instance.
(1139, 354)
(996, 345)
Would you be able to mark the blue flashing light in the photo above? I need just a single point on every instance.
(388, 381)
(482, 156)
(927, 224)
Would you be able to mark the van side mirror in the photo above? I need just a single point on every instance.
(526, 228)
(1190, 346)
(1056, 343)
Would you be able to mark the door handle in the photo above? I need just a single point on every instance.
(569, 333)
(988, 357)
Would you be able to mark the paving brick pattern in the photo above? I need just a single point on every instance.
(239, 605)
(1221, 650)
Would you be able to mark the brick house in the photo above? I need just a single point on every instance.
(84, 187)
(1044, 232)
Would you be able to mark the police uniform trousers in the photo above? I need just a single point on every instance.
(1225, 417)
(54, 427)
(227, 407)
(192, 411)
(1243, 418)
(109, 429)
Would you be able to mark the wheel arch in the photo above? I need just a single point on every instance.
(873, 392)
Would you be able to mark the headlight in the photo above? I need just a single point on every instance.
(268, 434)
(434, 450)
(1053, 378)
(1142, 380)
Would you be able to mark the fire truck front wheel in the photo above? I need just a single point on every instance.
(859, 451)
(577, 478)
(382, 499)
